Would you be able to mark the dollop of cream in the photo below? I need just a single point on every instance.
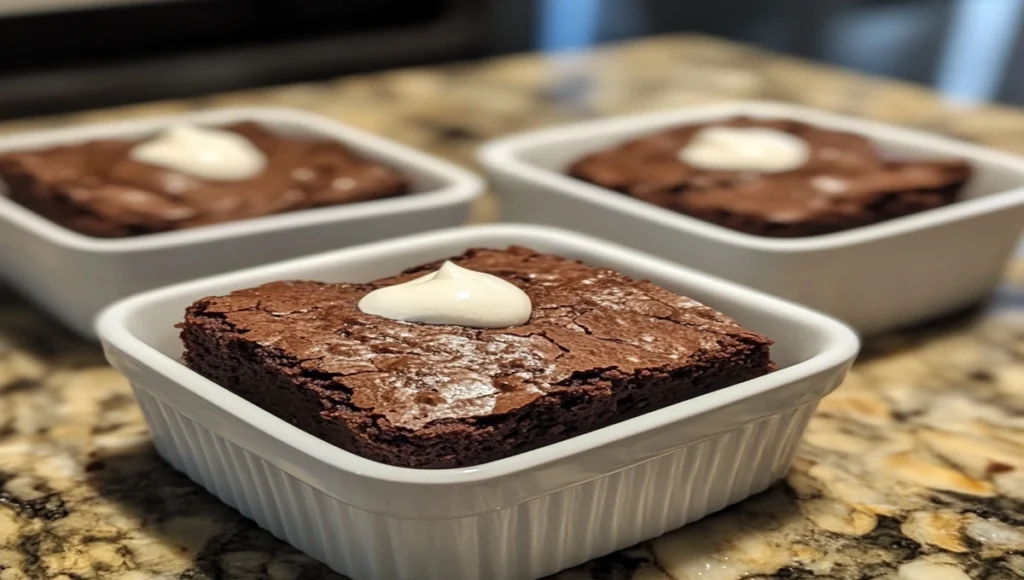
(758, 149)
(452, 295)
(210, 154)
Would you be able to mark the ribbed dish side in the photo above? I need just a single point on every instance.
(531, 540)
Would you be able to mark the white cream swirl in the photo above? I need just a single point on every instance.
(452, 295)
(211, 154)
(757, 149)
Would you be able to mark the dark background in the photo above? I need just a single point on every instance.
(60, 55)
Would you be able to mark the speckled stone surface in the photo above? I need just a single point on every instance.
(912, 470)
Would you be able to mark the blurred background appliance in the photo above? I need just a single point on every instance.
(72, 54)
(63, 55)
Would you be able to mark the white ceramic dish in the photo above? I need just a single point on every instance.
(521, 517)
(875, 278)
(74, 276)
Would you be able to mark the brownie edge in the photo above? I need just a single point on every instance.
(600, 348)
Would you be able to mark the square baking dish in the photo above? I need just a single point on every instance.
(516, 518)
(74, 276)
(875, 278)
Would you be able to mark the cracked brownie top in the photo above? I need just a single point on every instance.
(586, 321)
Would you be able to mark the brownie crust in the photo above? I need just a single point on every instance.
(600, 348)
(847, 183)
(97, 189)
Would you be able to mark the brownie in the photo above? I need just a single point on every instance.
(599, 348)
(847, 182)
(97, 189)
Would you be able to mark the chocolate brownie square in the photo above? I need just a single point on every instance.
(97, 188)
(599, 348)
(845, 182)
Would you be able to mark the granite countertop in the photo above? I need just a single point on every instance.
(912, 470)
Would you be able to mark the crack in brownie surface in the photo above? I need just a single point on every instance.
(96, 188)
(846, 183)
(599, 348)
